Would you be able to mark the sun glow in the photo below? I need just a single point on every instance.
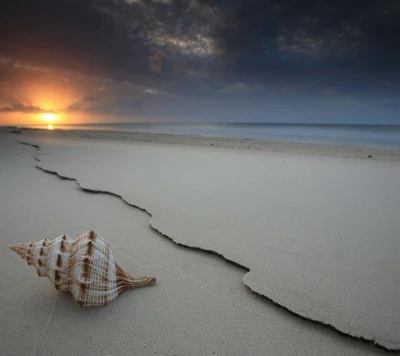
(49, 117)
(50, 127)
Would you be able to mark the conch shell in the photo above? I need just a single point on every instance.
(85, 267)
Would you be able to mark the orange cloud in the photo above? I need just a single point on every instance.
(27, 109)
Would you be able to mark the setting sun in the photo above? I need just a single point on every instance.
(49, 117)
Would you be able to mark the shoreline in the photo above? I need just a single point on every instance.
(308, 148)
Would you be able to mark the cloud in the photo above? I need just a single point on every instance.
(72, 34)
(150, 91)
(26, 109)
(156, 61)
(100, 89)
(208, 50)
(195, 47)
(89, 98)
(343, 42)
(237, 87)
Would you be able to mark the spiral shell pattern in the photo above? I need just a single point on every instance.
(85, 267)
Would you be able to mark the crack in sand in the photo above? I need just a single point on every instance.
(189, 280)
(371, 342)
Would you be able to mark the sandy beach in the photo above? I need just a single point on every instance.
(259, 248)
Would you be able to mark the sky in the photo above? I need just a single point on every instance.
(281, 61)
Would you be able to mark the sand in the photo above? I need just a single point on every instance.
(317, 233)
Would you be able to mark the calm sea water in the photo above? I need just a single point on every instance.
(355, 135)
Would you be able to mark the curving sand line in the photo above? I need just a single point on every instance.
(349, 283)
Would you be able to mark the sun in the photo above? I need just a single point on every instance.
(49, 117)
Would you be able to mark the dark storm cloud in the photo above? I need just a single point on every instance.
(158, 41)
(69, 34)
(293, 40)
(27, 109)
(214, 49)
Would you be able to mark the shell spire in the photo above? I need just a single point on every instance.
(35, 254)
(85, 267)
(20, 249)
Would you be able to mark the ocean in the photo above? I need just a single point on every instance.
(354, 135)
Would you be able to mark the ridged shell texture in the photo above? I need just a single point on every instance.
(85, 267)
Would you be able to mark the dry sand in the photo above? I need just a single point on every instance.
(317, 233)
